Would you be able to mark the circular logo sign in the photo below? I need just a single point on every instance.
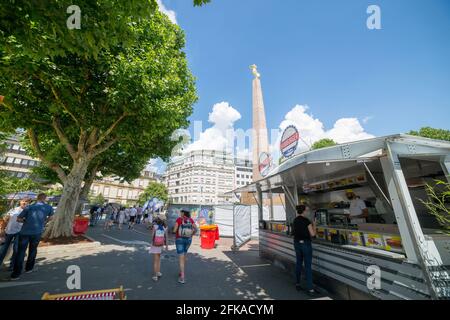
(265, 163)
(289, 141)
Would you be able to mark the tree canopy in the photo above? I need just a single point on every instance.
(432, 133)
(323, 143)
(120, 80)
(154, 190)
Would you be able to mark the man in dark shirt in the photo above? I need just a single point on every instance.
(303, 230)
(34, 218)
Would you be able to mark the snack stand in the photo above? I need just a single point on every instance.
(400, 237)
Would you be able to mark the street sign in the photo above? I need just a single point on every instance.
(265, 163)
(289, 141)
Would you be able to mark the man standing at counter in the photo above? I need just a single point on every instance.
(303, 230)
(358, 209)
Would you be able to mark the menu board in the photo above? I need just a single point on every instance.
(354, 239)
(321, 234)
(374, 240)
(393, 243)
(338, 183)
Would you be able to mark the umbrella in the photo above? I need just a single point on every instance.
(21, 195)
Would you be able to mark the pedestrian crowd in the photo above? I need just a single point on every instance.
(25, 225)
(118, 216)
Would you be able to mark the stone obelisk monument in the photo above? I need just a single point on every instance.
(260, 139)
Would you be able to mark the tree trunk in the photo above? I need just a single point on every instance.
(62, 223)
(88, 181)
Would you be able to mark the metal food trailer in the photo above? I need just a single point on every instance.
(401, 239)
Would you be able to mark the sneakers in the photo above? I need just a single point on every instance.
(155, 278)
(29, 271)
(14, 278)
(159, 274)
(181, 280)
(311, 293)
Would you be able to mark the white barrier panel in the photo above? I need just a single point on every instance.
(224, 220)
(242, 224)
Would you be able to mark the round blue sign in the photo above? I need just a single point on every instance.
(289, 141)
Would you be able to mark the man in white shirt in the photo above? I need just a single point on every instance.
(358, 209)
(133, 213)
(12, 232)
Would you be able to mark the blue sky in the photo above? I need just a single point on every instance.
(320, 53)
(356, 82)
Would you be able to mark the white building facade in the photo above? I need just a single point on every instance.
(15, 159)
(204, 177)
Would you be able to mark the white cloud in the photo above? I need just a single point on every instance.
(223, 136)
(170, 13)
(312, 129)
(217, 137)
(367, 119)
(347, 130)
(156, 165)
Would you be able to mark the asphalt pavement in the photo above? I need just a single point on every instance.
(120, 258)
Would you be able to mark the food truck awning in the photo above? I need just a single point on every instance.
(314, 166)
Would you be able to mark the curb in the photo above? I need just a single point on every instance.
(68, 247)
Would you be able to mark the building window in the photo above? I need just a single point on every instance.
(9, 160)
(17, 161)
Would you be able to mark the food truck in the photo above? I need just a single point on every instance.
(400, 251)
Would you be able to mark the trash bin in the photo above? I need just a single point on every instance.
(80, 225)
(208, 236)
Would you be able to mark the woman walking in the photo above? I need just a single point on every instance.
(303, 230)
(121, 217)
(184, 229)
(159, 239)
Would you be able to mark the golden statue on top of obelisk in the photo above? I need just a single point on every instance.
(255, 71)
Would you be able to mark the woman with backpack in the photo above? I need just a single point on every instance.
(184, 229)
(159, 239)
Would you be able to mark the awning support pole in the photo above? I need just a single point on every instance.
(417, 248)
(446, 167)
(378, 186)
(259, 202)
(271, 202)
(291, 201)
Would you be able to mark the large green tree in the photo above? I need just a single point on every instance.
(122, 77)
(122, 160)
(432, 133)
(154, 190)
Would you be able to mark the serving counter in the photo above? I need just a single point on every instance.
(348, 264)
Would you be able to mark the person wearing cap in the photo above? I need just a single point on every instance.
(12, 230)
(358, 210)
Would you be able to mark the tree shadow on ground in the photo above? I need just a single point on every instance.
(207, 277)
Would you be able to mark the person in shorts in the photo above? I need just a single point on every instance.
(184, 229)
(133, 213)
(159, 240)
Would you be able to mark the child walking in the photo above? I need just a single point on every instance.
(159, 239)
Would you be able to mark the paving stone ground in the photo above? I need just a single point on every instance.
(120, 257)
